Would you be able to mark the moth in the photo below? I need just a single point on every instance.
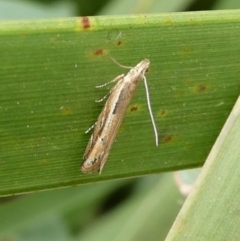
(111, 117)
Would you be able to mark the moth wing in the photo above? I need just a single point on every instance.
(96, 130)
(104, 159)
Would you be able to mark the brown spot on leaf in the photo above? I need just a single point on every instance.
(98, 52)
(201, 88)
(85, 22)
(162, 112)
(119, 43)
(167, 138)
(134, 108)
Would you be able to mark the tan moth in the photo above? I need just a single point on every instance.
(111, 117)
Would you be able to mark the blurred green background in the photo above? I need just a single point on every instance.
(136, 209)
(36, 9)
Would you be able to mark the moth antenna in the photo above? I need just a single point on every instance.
(104, 97)
(118, 64)
(150, 110)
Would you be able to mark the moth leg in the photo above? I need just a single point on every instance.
(118, 78)
(90, 128)
(114, 80)
(104, 97)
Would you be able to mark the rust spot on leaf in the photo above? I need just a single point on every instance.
(119, 43)
(98, 52)
(162, 112)
(201, 88)
(167, 138)
(134, 108)
(85, 22)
